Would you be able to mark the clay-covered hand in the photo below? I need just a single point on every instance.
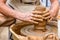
(49, 15)
(29, 17)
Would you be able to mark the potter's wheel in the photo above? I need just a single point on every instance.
(29, 30)
(36, 31)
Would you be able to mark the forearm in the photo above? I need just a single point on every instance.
(4, 9)
(54, 7)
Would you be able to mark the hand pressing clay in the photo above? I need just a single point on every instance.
(38, 31)
(42, 24)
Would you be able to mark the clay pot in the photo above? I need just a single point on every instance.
(41, 25)
(40, 8)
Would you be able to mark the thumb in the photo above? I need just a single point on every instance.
(50, 19)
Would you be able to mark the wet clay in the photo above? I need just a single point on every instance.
(38, 31)
(42, 24)
(41, 31)
(51, 36)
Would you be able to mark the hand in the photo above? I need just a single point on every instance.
(29, 17)
(49, 15)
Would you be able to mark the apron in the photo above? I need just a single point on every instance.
(23, 6)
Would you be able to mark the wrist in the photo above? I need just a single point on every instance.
(53, 13)
(18, 15)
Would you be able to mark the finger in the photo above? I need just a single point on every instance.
(50, 19)
(46, 14)
(33, 21)
(37, 16)
(37, 12)
(36, 19)
(47, 17)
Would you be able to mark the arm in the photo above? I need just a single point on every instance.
(4, 9)
(54, 7)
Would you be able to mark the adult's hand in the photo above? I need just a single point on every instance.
(50, 15)
(29, 17)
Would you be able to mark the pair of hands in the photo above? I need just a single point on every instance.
(35, 16)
